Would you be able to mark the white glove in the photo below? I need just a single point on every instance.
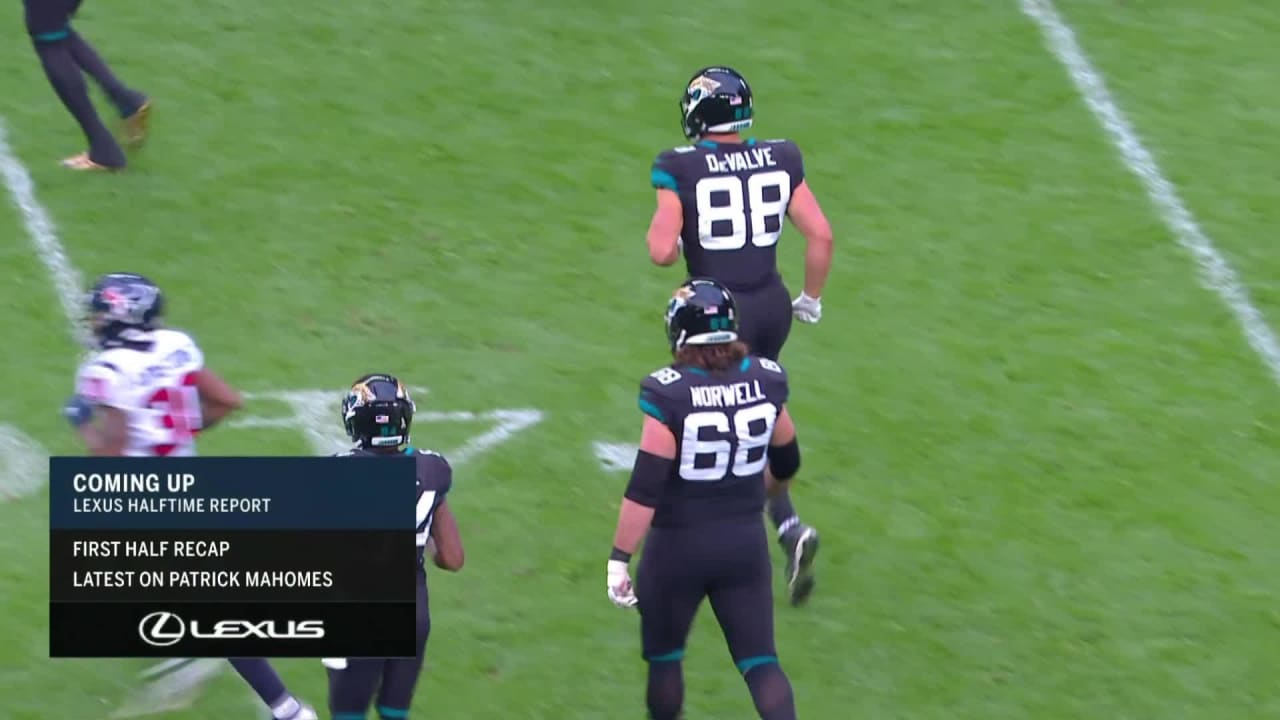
(620, 590)
(807, 309)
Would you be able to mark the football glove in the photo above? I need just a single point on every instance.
(77, 411)
(807, 309)
(621, 592)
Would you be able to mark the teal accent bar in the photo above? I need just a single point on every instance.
(390, 712)
(746, 364)
(53, 36)
(409, 450)
(673, 656)
(708, 143)
(662, 179)
(697, 371)
(745, 665)
(648, 408)
(751, 141)
(348, 716)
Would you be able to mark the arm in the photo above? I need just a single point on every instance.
(653, 466)
(664, 229)
(784, 454)
(217, 398)
(109, 432)
(807, 216)
(448, 541)
(94, 410)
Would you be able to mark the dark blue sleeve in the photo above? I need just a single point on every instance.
(774, 379)
(656, 400)
(795, 164)
(663, 174)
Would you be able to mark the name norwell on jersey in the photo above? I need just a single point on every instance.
(733, 395)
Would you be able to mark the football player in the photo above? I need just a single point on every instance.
(64, 54)
(723, 200)
(377, 413)
(714, 419)
(145, 392)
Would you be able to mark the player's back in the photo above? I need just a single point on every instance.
(435, 478)
(722, 422)
(155, 386)
(735, 198)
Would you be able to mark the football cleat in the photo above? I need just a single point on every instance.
(82, 162)
(801, 546)
(137, 125)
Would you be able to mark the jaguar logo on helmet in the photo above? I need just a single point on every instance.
(701, 87)
(679, 299)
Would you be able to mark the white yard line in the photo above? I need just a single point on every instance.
(1215, 272)
(44, 236)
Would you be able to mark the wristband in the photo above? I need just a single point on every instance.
(619, 555)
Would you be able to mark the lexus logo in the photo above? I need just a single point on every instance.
(162, 629)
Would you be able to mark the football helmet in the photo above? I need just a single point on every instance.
(123, 310)
(701, 312)
(716, 100)
(377, 411)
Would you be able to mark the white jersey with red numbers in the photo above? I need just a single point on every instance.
(156, 390)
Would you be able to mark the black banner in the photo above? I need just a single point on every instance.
(230, 566)
(118, 630)
(233, 557)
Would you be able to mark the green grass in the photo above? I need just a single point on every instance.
(1042, 458)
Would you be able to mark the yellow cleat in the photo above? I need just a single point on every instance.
(82, 162)
(137, 125)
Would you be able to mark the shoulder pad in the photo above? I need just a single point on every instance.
(430, 454)
(662, 377)
(770, 365)
(683, 149)
(656, 397)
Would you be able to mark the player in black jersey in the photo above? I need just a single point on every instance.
(377, 413)
(714, 419)
(722, 200)
(66, 58)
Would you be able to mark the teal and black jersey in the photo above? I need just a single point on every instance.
(722, 423)
(435, 479)
(735, 198)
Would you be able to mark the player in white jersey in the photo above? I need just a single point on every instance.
(145, 392)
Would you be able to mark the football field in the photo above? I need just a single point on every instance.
(1040, 416)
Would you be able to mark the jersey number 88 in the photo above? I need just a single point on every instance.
(746, 199)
